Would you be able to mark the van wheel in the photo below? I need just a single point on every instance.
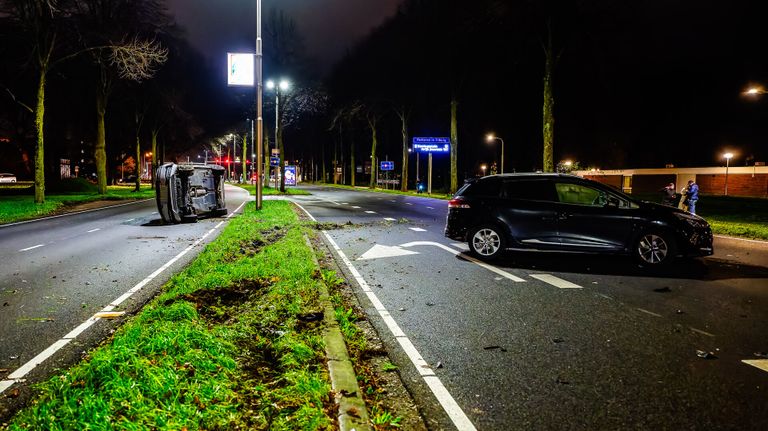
(486, 242)
(654, 249)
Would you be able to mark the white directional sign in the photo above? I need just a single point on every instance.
(379, 251)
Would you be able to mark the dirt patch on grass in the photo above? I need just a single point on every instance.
(220, 305)
(253, 247)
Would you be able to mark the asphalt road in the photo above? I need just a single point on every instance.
(57, 273)
(554, 341)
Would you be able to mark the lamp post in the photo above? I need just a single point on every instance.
(490, 138)
(483, 167)
(728, 157)
(283, 85)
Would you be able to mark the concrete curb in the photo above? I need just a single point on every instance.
(353, 415)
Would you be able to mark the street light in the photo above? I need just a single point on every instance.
(483, 167)
(490, 138)
(728, 157)
(283, 85)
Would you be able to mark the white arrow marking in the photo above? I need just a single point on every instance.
(758, 363)
(464, 256)
(379, 251)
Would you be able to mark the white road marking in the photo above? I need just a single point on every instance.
(379, 251)
(642, 310)
(370, 212)
(355, 207)
(451, 407)
(390, 219)
(94, 230)
(417, 229)
(22, 371)
(464, 256)
(555, 281)
(460, 245)
(130, 220)
(701, 332)
(758, 363)
(33, 247)
(430, 208)
(408, 203)
(71, 214)
(345, 203)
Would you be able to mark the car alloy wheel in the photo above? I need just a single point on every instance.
(486, 242)
(653, 249)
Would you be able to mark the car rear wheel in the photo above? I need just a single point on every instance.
(486, 242)
(654, 249)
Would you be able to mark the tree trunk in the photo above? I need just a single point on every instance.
(322, 155)
(353, 168)
(549, 105)
(155, 164)
(39, 153)
(374, 142)
(454, 144)
(404, 171)
(138, 163)
(282, 156)
(244, 160)
(100, 146)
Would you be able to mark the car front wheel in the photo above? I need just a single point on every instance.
(486, 242)
(654, 249)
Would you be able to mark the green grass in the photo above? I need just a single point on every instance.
(393, 192)
(267, 191)
(730, 215)
(22, 207)
(223, 347)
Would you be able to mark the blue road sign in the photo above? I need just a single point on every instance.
(274, 161)
(290, 175)
(387, 166)
(432, 145)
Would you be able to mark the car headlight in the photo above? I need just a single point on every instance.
(692, 219)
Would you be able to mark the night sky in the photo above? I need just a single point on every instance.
(329, 27)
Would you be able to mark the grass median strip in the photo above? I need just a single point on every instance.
(233, 342)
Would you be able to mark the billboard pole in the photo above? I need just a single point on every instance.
(259, 120)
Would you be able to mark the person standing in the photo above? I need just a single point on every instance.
(692, 196)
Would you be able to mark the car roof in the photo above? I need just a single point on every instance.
(520, 175)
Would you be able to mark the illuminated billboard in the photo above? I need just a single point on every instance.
(432, 145)
(240, 69)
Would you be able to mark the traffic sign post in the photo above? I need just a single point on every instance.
(431, 145)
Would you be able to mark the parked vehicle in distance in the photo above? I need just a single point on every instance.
(565, 213)
(7, 178)
(186, 192)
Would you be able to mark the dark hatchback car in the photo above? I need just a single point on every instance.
(565, 213)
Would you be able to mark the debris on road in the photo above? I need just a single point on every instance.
(705, 355)
(439, 365)
(495, 348)
(109, 314)
(558, 340)
(761, 354)
(430, 304)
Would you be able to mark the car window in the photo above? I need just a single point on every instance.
(485, 187)
(532, 190)
(580, 195)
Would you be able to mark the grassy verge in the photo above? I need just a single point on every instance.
(267, 191)
(233, 342)
(393, 192)
(23, 207)
(730, 215)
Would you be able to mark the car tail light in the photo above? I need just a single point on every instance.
(457, 203)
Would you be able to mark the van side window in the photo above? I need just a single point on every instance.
(530, 190)
(486, 187)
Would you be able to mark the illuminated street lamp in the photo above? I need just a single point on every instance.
(728, 157)
(483, 167)
(754, 91)
(490, 138)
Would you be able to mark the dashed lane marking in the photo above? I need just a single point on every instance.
(94, 230)
(417, 229)
(390, 219)
(33, 247)
(555, 281)
(370, 212)
(408, 203)
(430, 208)
(757, 363)
(701, 332)
(130, 220)
(460, 246)
(651, 313)
(356, 207)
